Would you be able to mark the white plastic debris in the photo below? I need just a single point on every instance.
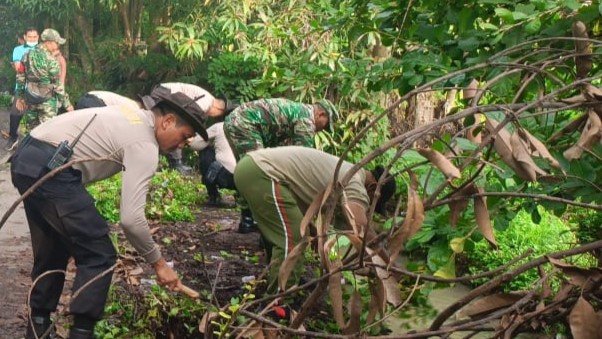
(248, 278)
(147, 282)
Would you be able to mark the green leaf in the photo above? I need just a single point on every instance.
(448, 271)
(572, 4)
(488, 26)
(519, 15)
(504, 14)
(534, 26)
(465, 144)
(457, 245)
(469, 44)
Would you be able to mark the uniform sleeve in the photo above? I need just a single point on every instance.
(198, 143)
(140, 161)
(304, 131)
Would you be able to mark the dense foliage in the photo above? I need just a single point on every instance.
(364, 55)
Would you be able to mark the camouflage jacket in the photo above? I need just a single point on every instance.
(43, 68)
(278, 121)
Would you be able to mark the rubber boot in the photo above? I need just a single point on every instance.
(40, 326)
(78, 333)
(247, 224)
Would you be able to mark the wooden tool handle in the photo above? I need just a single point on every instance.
(188, 291)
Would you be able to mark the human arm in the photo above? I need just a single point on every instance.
(57, 75)
(63, 67)
(140, 161)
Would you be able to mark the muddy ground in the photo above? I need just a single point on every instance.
(209, 255)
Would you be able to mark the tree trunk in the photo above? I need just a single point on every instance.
(89, 61)
(127, 27)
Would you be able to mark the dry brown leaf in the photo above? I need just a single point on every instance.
(289, 263)
(593, 92)
(378, 301)
(136, 271)
(578, 276)
(5, 134)
(470, 91)
(589, 136)
(483, 220)
(254, 330)
(355, 311)
(393, 295)
(335, 289)
(398, 238)
(541, 149)
(206, 321)
(489, 303)
(313, 210)
(503, 147)
(583, 61)
(470, 133)
(441, 162)
(418, 217)
(584, 321)
(456, 207)
(521, 154)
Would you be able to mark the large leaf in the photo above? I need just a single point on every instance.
(334, 285)
(289, 263)
(490, 303)
(584, 321)
(441, 162)
(483, 219)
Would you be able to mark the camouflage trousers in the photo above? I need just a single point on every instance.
(37, 114)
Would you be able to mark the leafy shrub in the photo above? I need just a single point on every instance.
(550, 235)
(171, 197)
(6, 100)
(231, 75)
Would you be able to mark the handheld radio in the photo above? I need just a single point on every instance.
(64, 151)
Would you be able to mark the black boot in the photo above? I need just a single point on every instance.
(41, 325)
(78, 333)
(247, 224)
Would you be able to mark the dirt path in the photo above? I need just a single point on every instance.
(15, 255)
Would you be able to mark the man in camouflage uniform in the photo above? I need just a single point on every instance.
(39, 88)
(274, 122)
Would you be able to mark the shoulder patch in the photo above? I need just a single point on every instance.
(130, 114)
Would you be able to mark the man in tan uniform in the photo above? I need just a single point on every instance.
(280, 183)
(213, 107)
(61, 215)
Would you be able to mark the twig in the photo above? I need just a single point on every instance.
(402, 305)
(494, 283)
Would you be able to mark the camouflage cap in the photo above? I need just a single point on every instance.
(333, 113)
(50, 34)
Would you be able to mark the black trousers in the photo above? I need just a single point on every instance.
(63, 222)
(223, 179)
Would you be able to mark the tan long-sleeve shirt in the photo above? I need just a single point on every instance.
(126, 136)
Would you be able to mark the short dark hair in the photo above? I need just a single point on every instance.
(387, 190)
(30, 29)
(164, 108)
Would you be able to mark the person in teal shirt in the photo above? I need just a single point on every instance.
(30, 39)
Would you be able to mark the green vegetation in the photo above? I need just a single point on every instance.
(171, 197)
(550, 234)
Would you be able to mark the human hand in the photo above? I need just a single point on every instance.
(20, 105)
(70, 108)
(166, 276)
